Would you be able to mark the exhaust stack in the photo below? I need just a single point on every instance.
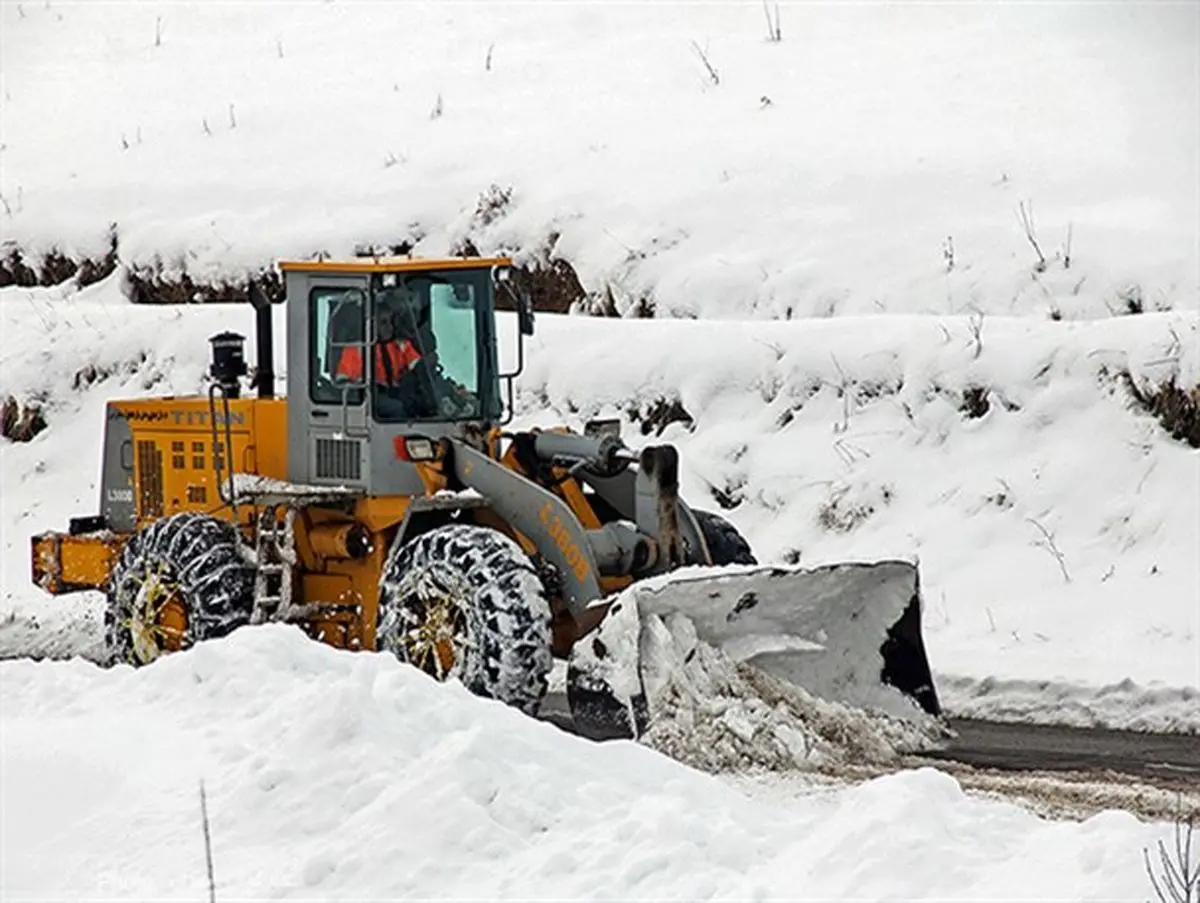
(264, 379)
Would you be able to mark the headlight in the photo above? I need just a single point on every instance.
(419, 448)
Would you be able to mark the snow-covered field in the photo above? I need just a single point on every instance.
(831, 237)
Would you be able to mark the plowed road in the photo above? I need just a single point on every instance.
(1171, 758)
(1028, 747)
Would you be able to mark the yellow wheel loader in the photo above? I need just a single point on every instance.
(384, 505)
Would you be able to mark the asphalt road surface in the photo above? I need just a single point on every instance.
(1034, 747)
(1028, 747)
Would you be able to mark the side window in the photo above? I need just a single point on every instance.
(337, 331)
(452, 317)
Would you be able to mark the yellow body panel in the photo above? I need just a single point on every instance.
(63, 563)
(178, 456)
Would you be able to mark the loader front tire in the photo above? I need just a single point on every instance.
(179, 580)
(725, 544)
(464, 601)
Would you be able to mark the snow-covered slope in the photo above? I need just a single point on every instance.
(846, 438)
(865, 175)
(874, 159)
(332, 775)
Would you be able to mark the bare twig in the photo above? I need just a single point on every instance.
(774, 35)
(1067, 249)
(232, 118)
(1026, 215)
(208, 859)
(1176, 345)
(712, 73)
(436, 112)
(1047, 543)
(158, 31)
(844, 388)
(207, 130)
(976, 324)
(948, 253)
(777, 349)
(279, 47)
(848, 452)
(1178, 877)
(487, 62)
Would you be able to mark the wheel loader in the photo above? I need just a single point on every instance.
(385, 505)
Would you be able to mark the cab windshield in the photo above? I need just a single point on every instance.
(433, 348)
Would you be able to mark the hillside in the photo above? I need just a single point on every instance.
(908, 280)
(873, 160)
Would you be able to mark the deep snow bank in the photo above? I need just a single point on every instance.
(837, 439)
(337, 775)
(865, 438)
(875, 159)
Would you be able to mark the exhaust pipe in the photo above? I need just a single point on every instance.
(264, 379)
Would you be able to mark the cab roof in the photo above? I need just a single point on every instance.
(392, 264)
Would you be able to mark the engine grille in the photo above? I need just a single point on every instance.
(150, 479)
(339, 459)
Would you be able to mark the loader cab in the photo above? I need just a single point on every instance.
(385, 349)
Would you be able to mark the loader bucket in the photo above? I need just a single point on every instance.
(847, 633)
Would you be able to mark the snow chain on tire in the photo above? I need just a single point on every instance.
(465, 601)
(192, 560)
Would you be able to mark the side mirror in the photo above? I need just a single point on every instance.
(525, 314)
(502, 279)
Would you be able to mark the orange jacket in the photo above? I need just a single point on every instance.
(402, 356)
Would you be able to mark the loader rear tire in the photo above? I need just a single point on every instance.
(465, 602)
(179, 581)
(725, 544)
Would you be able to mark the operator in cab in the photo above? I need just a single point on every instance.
(408, 382)
(393, 357)
(397, 373)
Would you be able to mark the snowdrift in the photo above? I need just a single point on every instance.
(336, 775)
(1054, 520)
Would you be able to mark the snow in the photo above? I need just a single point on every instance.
(710, 711)
(1061, 446)
(269, 130)
(831, 240)
(338, 775)
(820, 629)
